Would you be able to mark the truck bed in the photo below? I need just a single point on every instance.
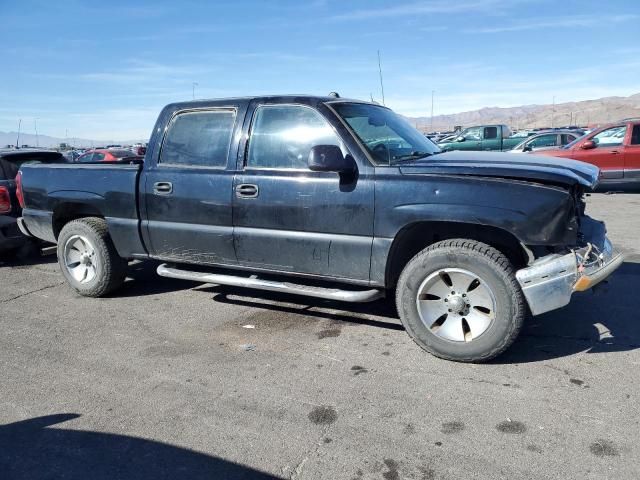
(109, 188)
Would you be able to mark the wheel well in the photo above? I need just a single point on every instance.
(65, 212)
(417, 236)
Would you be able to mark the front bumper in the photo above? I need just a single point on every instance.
(549, 282)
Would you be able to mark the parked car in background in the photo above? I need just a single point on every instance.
(10, 162)
(615, 149)
(139, 149)
(546, 141)
(108, 155)
(71, 155)
(483, 137)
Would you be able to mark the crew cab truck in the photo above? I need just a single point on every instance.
(483, 137)
(331, 198)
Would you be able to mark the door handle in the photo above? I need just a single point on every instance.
(615, 152)
(246, 190)
(163, 188)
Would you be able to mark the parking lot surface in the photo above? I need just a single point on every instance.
(171, 379)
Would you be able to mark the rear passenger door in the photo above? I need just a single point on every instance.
(288, 218)
(187, 190)
(491, 138)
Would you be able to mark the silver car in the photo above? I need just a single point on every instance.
(546, 141)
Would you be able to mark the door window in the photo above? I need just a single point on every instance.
(200, 139)
(567, 138)
(610, 137)
(282, 136)
(543, 141)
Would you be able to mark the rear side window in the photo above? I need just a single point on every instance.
(635, 135)
(490, 133)
(282, 136)
(199, 139)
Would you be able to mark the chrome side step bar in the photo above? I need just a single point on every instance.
(284, 287)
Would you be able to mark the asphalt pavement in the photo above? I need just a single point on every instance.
(176, 380)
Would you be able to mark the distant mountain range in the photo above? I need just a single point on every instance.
(588, 112)
(9, 138)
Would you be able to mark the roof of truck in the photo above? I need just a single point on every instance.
(294, 98)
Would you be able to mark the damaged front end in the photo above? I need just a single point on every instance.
(549, 281)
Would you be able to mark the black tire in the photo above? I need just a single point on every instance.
(110, 268)
(498, 275)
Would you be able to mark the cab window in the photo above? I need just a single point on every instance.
(282, 136)
(490, 133)
(199, 139)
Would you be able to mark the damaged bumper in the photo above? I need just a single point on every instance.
(549, 282)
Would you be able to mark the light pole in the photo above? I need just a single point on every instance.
(35, 126)
(193, 90)
(432, 93)
(18, 138)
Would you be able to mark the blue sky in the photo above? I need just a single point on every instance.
(104, 69)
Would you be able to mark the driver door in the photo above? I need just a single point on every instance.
(608, 154)
(291, 219)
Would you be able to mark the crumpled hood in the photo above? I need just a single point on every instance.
(504, 165)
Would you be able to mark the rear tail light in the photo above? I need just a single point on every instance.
(5, 200)
(19, 193)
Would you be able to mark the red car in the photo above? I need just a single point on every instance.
(108, 155)
(615, 149)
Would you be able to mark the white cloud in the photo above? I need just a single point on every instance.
(419, 8)
(568, 22)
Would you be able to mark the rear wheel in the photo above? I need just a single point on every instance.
(459, 300)
(88, 259)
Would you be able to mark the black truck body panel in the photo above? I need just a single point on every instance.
(304, 222)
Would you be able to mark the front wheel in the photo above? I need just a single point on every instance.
(88, 259)
(459, 300)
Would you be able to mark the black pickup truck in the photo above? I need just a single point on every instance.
(332, 198)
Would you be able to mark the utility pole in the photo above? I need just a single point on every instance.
(432, 93)
(193, 90)
(553, 112)
(18, 138)
(371, 95)
(35, 126)
(380, 72)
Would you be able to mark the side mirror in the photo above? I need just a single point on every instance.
(588, 145)
(329, 158)
(527, 148)
(460, 139)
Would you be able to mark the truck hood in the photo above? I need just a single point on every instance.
(536, 168)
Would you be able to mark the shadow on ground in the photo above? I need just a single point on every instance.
(31, 449)
(603, 321)
(600, 321)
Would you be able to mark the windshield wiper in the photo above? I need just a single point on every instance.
(412, 155)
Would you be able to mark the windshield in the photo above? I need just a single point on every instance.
(388, 137)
